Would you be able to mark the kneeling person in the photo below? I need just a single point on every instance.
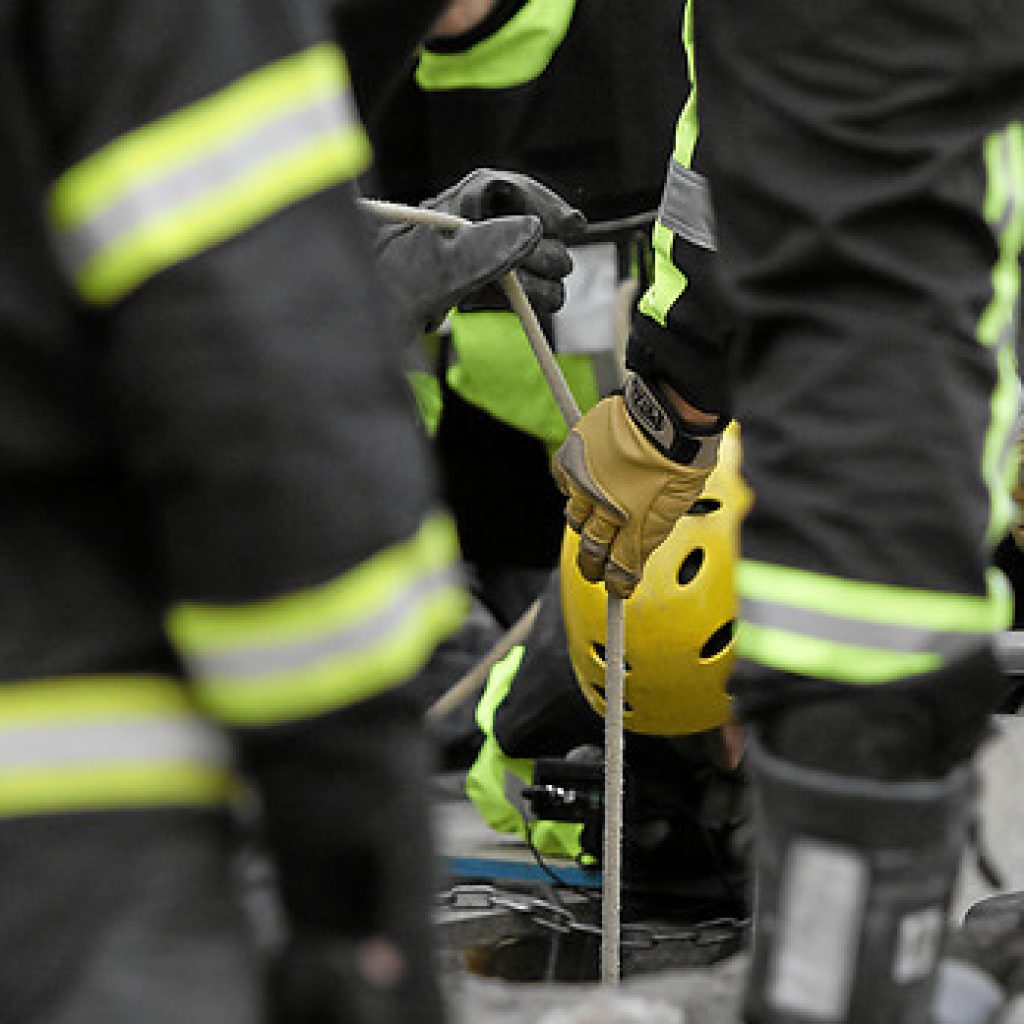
(545, 701)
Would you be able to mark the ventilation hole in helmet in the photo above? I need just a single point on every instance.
(704, 506)
(598, 684)
(719, 640)
(598, 650)
(691, 566)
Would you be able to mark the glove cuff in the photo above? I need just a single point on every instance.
(662, 425)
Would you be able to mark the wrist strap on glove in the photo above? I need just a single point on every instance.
(662, 425)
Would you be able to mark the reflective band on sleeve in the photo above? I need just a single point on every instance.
(99, 743)
(177, 186)
(327, 647)
(670, 282)
(999, 322)
(686, 206)
(518, 52)
(856, 632)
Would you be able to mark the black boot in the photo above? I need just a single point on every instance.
(983, 968)
(852, 887)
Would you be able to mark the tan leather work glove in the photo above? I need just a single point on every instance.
(630, 468)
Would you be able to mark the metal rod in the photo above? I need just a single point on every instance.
(611, 883)
(611, 894)
(470, 682)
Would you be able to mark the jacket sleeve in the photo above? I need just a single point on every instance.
(680, 331)
(201, 208)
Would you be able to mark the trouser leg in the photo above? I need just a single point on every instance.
(869, 225)
(121, 917)
(347, 815)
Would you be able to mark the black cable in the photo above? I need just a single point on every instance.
(549, 871)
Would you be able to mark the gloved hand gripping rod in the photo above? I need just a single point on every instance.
(611, 882)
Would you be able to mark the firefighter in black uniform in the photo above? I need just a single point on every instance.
(866, 176)
(222, 551)
(550, 88)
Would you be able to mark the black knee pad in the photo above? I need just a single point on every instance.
(917, 727)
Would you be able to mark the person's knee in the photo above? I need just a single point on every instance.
(921, 726)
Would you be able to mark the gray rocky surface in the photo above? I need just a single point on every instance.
(710, 995)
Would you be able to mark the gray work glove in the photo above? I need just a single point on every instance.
(521, 225)
(486, 193)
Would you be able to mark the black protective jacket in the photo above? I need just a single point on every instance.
(219, 432)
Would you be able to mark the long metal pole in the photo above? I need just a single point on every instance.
(611, 881)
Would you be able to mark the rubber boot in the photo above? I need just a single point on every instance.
(852, 885)
(983, 969)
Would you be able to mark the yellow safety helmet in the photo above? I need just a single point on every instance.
(680, 620)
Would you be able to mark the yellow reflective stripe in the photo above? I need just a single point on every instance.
(324, 648)
(999, 458)
(1004, 210)
(90, 697)
(826, 659)
(426, 390)
(687, 129)
(499, 681)
(495, 369)
(109, 787)
(200, 175)
(105, 742)
(518, 52)
(856, 632)
(669, 281)
(875, 602)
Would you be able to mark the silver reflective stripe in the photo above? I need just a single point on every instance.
(859, 632)
(1008, 216)
(823, 893)
(1007, 220)
(155, 198)
(273, 659)
(586, 322)
(686, 206)
(131, 739)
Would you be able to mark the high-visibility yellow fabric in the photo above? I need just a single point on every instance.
(426, 390)
(202, 174)
(518, 52)
(496, 369)
(669, 281)
(91, 743)
(856, 632)
(493, 774)
(309, 652)
(997, 327)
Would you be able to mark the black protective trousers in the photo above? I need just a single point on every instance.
(868, 195)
